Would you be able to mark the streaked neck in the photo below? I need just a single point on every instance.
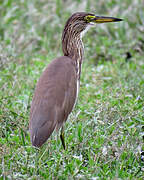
(73, 47)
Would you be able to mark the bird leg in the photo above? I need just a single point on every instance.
(62, 137)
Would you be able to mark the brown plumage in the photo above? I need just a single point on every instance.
(57, 89)
(53, 100)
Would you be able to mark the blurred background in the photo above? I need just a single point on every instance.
(35, 27)
(104, 134)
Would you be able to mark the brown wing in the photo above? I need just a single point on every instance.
(53, 100)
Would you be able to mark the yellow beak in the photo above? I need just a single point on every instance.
(103, 19)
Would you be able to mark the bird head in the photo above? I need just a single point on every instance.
(79, 21)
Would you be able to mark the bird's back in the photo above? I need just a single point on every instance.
(53, 100)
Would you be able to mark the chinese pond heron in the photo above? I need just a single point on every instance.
(57, 89)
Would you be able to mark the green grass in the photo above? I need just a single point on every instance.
(104, 133)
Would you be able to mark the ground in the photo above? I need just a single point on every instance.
(104, 134)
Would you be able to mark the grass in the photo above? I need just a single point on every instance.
(104, 134)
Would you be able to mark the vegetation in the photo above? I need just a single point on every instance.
(104, 134)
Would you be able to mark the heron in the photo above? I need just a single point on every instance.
(57, 89)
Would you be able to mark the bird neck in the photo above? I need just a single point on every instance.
(73, 47)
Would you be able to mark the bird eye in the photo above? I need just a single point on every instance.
(89, 18)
